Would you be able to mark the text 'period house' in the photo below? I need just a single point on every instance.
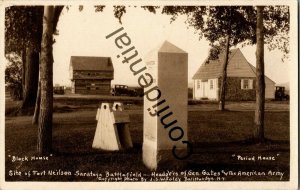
(91, 75)
(240, 79)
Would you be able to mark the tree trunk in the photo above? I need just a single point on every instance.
(30, 76)
(44, 144)
(36, 113)
(23, 70)
(260, 79)
(224, 75)
(37, 106)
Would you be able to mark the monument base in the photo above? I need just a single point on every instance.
(162, 159)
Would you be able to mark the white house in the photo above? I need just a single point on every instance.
(240, 79)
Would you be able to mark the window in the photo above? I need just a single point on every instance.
(198, 84)
(211, 84)
(246, 84)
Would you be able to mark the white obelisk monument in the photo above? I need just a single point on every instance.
(168, 66)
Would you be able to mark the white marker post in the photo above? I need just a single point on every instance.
(112, 132)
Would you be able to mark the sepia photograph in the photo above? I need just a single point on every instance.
(168, 95)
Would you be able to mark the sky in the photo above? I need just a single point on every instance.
(83, 34)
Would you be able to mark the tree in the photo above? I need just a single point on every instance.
(37, 105)
(260, 78)
(272, 28)
(31, 73)
(50, 20)
(46, 83)
(13, 76)
(226, 27)
(232, 25)
(223, 27)
(23, 26)
(57, 12)
(23, 33)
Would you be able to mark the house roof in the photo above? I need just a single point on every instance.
(254, 70)
(85, 63)
(213, 68)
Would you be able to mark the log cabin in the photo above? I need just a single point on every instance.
(91, 75)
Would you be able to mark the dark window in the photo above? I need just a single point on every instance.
(247, 84)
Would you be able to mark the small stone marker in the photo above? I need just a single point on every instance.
(169, 67)
(112, 132)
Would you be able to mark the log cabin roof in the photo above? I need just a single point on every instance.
(237, 66)
(85, 63)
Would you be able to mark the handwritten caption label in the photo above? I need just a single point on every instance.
(255, 157)
(20, 171)
(14, 158)
(183, 176)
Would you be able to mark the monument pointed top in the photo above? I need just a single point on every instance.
(168, 47)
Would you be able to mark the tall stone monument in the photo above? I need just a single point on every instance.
(168, 66)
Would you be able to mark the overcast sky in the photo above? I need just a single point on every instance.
(83, 34)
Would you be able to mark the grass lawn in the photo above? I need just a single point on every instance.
(219, 139)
